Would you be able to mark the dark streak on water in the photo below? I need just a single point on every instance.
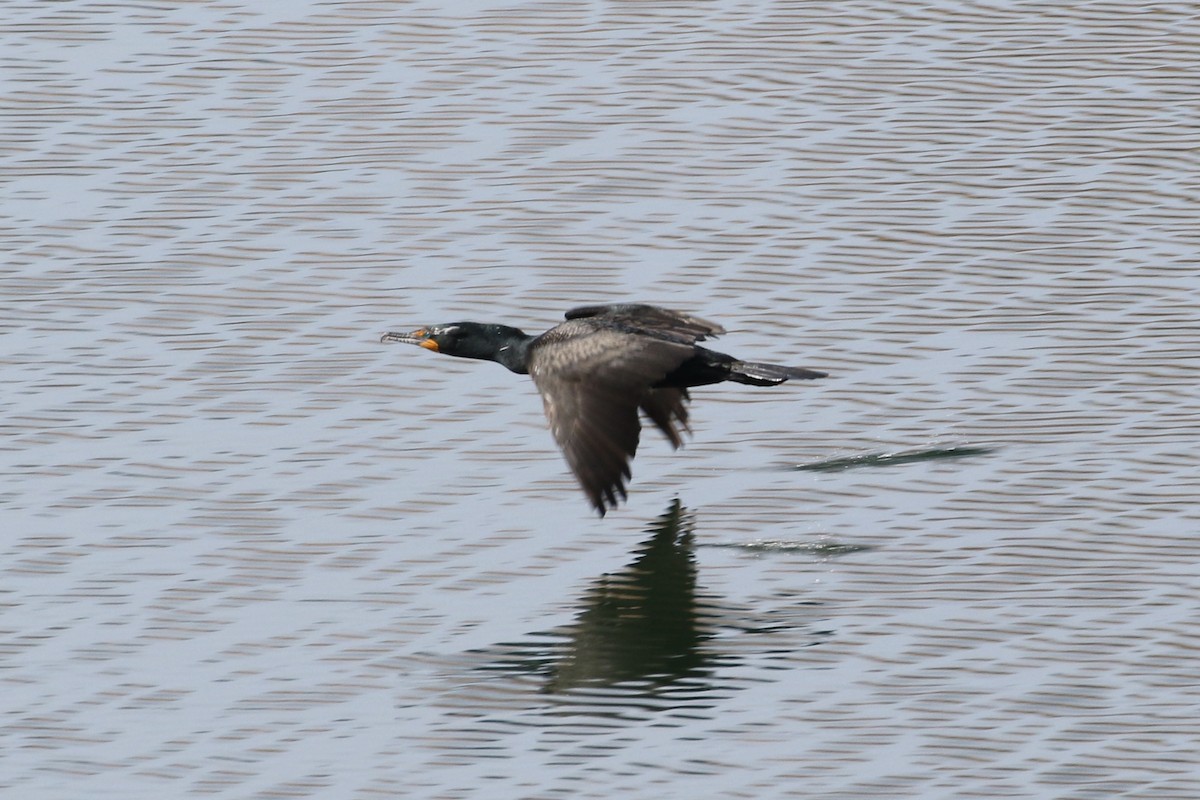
(817, 549)
(894, 459)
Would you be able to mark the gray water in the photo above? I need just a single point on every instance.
(249, 552)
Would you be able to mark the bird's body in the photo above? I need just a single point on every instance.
(597, 369)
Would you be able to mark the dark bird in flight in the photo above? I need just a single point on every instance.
(596, 370)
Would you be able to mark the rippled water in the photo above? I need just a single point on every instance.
(250, 552)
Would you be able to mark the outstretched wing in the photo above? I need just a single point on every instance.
(652, 320)
(592, 381)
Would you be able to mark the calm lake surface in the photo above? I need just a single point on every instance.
(250, 552)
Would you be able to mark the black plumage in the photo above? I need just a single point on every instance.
(597, 369)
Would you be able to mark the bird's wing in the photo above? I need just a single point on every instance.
(653, 320)
(591, 388)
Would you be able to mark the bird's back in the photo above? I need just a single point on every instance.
(645, 320)
(605, 352)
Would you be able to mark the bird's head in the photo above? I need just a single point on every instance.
(479, 340)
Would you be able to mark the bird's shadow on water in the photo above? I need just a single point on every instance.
(647, 632)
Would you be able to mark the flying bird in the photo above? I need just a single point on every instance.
(597, 369)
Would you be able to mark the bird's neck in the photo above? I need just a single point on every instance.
(513, 352)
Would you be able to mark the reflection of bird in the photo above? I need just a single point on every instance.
(596, 370)
(645, 623)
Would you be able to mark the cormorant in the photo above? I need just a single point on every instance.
(596, 370)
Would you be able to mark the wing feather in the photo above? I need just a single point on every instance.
(667, 408)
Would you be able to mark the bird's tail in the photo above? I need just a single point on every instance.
(756, 374)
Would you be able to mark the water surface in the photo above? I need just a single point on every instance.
(250, 552)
